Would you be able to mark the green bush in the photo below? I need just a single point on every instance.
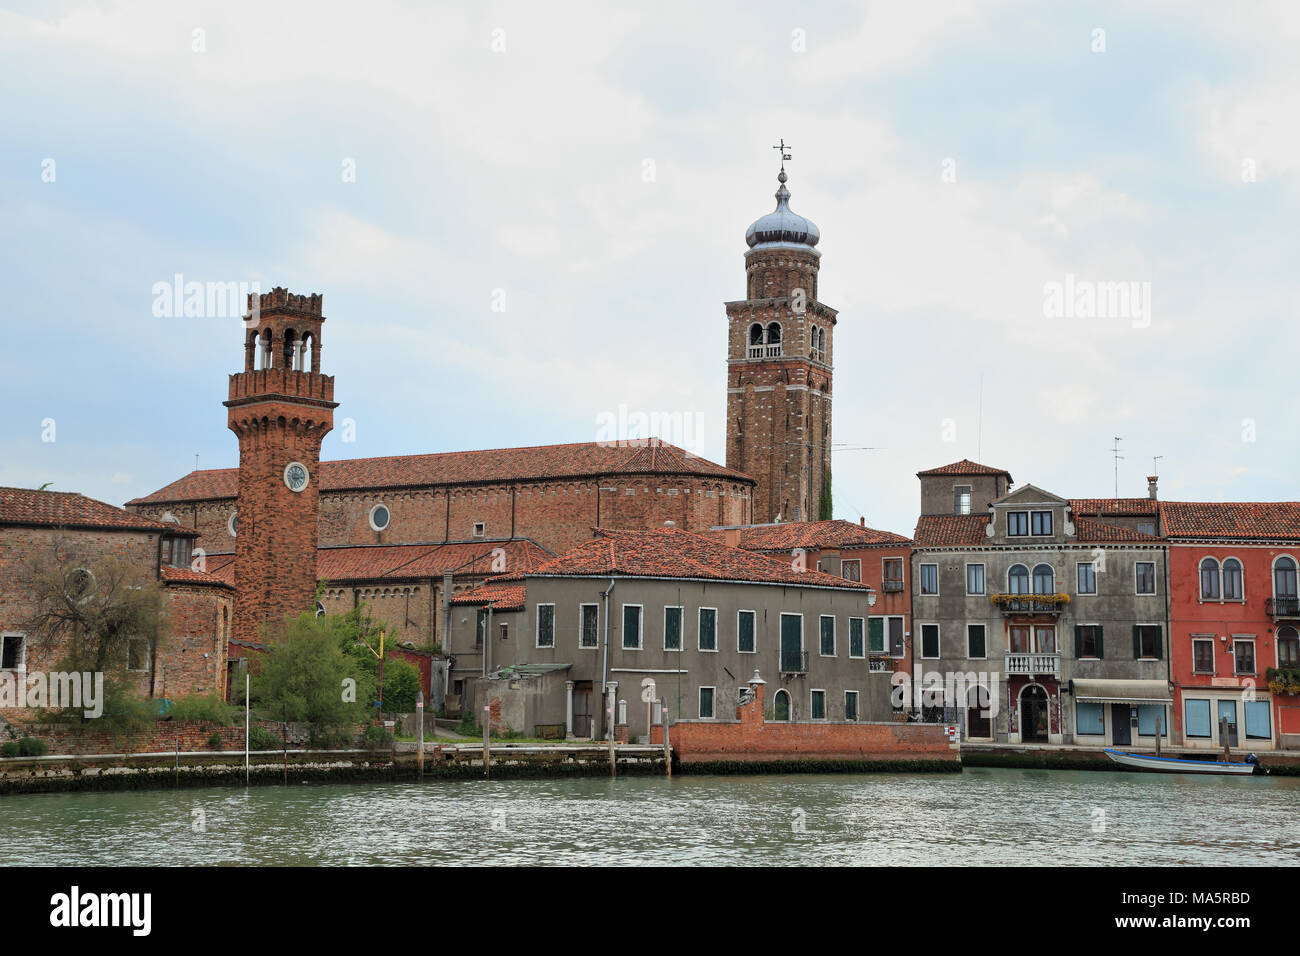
(468, 727)
(9, 749)
(331, 739)
(209, 708)
(401, 684)
(259, 738)
(215, 742)
(32, 747)
(376, 738)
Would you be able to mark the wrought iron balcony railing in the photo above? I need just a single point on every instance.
(1282, 607)
(794, 662)
(891, 585)
(1030, 603)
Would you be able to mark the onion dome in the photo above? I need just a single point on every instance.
(782, 225)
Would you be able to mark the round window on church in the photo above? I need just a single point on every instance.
(230, 523)
(379, 517)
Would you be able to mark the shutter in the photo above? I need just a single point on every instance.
(1100, 653)
(1160, 641)
(1078, 641)
(1137, 643)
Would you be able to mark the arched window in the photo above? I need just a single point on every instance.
(781, 706)
(1044, 579)
(1209, 579)
(774, 333)
(1288, 647)
(1018, 579)
(756, 334)
(821, 342)
(1284, 578)
(265, 357)
(812, 342)
(289, 351)
(1232, 580)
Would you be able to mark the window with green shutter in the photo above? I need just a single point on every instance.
(976, 643)
(672, 629)
(632, 627)
(819, 705)
(827, 636)
(708, 629)
(745, 632)
(546, 625)
(876, 635)
(850, 705)
(857, 638)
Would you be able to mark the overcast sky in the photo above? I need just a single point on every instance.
(524, 216)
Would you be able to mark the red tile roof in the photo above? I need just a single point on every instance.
(964, 467)
(809, 535)
(960, 530)
(413, 561)
(221, 566)
(674, 553)
(1091, 530)
(172, 575)
(1130, 507)
(67, 509)
(1259, 520)
(536, 463)
(504, 597)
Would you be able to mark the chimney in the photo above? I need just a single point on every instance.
(731, 537)
(862, 520)
(1151, 486)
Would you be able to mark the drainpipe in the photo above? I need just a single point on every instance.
(604, 666)
(487, 637)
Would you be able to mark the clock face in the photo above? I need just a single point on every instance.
(296, 476)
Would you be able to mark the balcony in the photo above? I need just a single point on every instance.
(1282, 607)
(890, 586)
(1034, 664)
(763, 351)
(794, 662)
(1010, 604)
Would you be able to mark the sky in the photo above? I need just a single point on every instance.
(525, 219)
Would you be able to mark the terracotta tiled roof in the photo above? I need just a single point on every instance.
(541, 462)
(674, 553)
(964, 467)
(172, 575)
(410, 561)
(1261, 520)
(1091, 530)
(67, 509)
(809, 535)
(932, 530)
(221, 566)
(1130, 507)
(504, 597)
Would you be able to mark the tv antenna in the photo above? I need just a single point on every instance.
(1154, 459)
(1118, 457)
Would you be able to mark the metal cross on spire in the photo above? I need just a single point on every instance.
(784, 155)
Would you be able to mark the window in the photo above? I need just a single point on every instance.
(137, 654)
(1087, 641)
(1232, 589)
(1209, 579)
(1284, 578)
(480, 529)
(974, 579)
(1147, 641)
(1196, 712)
(546, 625)
(1020, 640)
(632, 627)
(505, 632)
(708, 634)
(1046, 637)
(818, 711)
(930, 641)
(1146, 527)
(1288, 647)
(850, 705)
(1044, 579)
(1017, 524)
(827, 635)
(1203, 655)
(1151, 716)
(876, 635)
(79, 585)
(745, 632)
(851, 570)
(672, 628)
(857, 637)
(1087, 572)
(1018, 579)
(976, 642)
(589, 633)
(13, 652)
(929, 579)
(892, 575)
(781, 705)
(1243, 651)
(1258, 725)
(1041, 523)
(380, 517)
(1090, 718)
(1145, 572)
(232, 523)
(706, 703)
(961, 499)
(480, 627)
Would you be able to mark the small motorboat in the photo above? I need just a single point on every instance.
(1182, 765)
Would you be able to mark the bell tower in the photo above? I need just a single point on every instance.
(280, 408)
(779, 368)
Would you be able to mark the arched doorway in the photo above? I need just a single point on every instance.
(781, 706)
(1033, 714)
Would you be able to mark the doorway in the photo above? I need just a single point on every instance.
(1228, 712)
(1121, 730)
(1033, 714)
(781, 706)
(582, 724)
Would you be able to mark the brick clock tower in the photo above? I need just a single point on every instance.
(280, 407)
(779, 369)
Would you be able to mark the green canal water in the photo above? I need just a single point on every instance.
(996, 817)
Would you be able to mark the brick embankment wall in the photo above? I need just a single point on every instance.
(163, 736)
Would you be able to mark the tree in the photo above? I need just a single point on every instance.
(306, 674)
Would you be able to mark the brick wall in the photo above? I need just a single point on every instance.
(193, 659)
(163, 736)
(750, 738)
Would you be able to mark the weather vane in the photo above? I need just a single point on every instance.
(784, 155)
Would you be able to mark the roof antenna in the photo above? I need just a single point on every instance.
(1115, 451)
(196, 461)
(1154, 459)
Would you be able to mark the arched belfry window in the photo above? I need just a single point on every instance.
(264, 360)
(756, 334)
(774, 334)
(289, 353)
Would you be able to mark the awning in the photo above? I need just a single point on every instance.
(1121, 691)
